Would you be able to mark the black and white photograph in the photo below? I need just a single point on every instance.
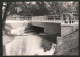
(37, 28)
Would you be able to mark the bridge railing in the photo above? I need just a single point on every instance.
(52, 18)
(19, 18)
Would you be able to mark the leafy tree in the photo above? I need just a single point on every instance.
(56, 7)
(28, 9)
(76, 6)
(41, 10)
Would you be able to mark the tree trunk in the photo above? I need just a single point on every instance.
(5, 14)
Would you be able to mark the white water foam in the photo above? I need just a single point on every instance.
(26, 45)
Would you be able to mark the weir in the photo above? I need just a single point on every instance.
(47, 30)
(64, 27)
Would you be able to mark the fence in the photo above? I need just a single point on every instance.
(18, 17)
(50, 18)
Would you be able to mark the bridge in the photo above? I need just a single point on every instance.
(69, 22)
(65, 18)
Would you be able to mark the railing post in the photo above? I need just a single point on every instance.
(54, 18)
(62, 18)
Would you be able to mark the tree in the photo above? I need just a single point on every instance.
(75, 6)
(56, 7)
(41, 9)
(28, 9)
(5, 13)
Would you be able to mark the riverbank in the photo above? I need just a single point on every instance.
(69, 44)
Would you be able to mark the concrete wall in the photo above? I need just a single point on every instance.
(65, 30)
(17, 24)
(50, 28)
(50, 37)
(68, 28)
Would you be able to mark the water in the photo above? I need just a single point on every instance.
(27, 45)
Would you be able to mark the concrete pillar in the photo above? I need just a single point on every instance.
(61, 18)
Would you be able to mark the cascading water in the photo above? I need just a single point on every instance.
(27, 41)
(29, 44)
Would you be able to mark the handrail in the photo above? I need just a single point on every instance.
(46, 18)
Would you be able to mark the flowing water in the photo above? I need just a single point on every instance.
(28, 44)
(23, 44)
